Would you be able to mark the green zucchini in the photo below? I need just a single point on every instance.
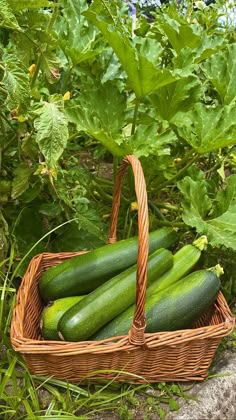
(110, 299)
(184, 260)
(82, 274)
(173, 308)
(52, 313)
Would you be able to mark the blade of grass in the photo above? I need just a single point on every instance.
(7, 375)
(50, 408)
(73, 388)
(32, 393)
(29, 410)
(4, 287)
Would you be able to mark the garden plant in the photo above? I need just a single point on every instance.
(81, 86)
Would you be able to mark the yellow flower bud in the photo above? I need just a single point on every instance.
(66, 96)
(134, 206)
(32, 70)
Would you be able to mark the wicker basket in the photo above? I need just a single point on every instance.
(137, 357)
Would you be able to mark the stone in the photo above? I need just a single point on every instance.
(216, 396)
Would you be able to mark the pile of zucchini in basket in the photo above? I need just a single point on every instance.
(92, 296)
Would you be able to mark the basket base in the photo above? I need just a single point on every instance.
(182, 362)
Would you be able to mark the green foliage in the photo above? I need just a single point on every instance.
(136, 58)
(51, 130)
(21, 180)
(198, 207)
(8, 19)
(160, 139)
(220, 69)
(179, 96)
(78, 91)
(208, 128)
(99, 112)
(15, 81)
(29, 4)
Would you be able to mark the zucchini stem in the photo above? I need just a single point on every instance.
(217, 270)
(201, 243)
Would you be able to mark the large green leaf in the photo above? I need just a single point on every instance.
(180, 35)
(17, 5)
(190, 42)
(7, 18)
(148, 141)
(78, 39)
(208, 128)
(178, 96)
(210, 44)
(197, 207)
(51, 131)
(99, 112)
(226, 198)
(21, 180)
(50, 65)
(15, 81)
(195, 194)
(143, 76)
(220, 69)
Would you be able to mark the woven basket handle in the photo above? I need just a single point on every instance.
(136, 333)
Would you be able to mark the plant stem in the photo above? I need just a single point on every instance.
(3, 90)
(102, 193)
(66, 78)
(166, 206)
(178, 175)
(7, 121)
(156, 210)
(36, 71)
(135, 116)
(188, 154)
(171, 224)
(9, 143)
(38, 65)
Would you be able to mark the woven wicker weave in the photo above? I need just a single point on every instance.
(137, 357)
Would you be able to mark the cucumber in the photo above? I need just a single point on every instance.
(52, 313)
(110, 299)
(82, 274)
(184, 260)
(173, 308)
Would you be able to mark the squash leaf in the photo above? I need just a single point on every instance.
(148, 140)
(220, 69)
(198, 209)
(80, 42)
(99, 112)
(143, 75)
(207, 128)
(190, 43)
(179, 33)
(178, 96)
(17, 5)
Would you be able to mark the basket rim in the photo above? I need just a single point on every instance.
(122, 343)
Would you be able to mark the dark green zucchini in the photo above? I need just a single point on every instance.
(173, 308)
(82, 274)
(184, 260)
(108, 300)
